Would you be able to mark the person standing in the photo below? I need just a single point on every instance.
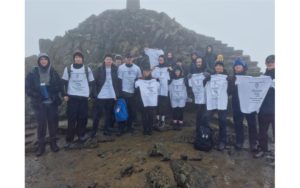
(240, 68)
(266, 115)
(128, 73)
(161, 72)
(106, 92)
(78, 78)
(43, 85)
(210, 59)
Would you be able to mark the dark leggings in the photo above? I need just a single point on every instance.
(264, 121)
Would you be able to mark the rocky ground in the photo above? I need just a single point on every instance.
(165, 159)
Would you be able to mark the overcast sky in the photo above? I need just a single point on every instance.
(244, 24)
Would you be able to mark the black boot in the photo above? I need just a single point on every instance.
(54, 147)
(40, 150)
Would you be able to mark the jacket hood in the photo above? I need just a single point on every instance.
(38, 61)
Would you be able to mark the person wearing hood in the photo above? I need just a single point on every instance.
(105, 93)
(209, 59)
(162, 72)
(178, 96)
(266, 115)
(128, 73)
(170, 59)
(43, 85)
(240, 68)
(198, 73)
(218, 69)
(194, 56)
(78, 78)
(147, 89)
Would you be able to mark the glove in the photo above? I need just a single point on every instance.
(189, 76)
(206, 74)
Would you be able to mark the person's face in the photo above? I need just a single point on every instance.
(118, 61)
(161, 60)
(108, 61)
(199, 63)
(170, 55)
(194, 56)
(78, 60)
(238, 69)
(177, 73)
(219, 69)
(179, 63)
(44, 61)
(129, 60)
(270, 66)
(209, 49)
(146, 73)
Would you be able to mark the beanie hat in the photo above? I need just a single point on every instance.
(220, 57)
(219, 63)
(238, 61)
(118, 57)
(78, 53)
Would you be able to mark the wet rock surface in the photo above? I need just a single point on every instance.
(125, 162)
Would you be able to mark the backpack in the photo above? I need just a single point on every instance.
(204, 140)
(86, 70)
(120, 110)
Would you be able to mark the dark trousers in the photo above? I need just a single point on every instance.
(238, 118)
(264, 120)
(131, 106)
(77, 112)
(200, 112)
(177, 113)
(222, 123)
(46, 114)
(106, 106)
(147, 118)
(162, 105)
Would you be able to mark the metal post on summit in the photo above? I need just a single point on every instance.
(133, 4)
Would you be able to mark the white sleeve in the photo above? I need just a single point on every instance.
(90, 75)
(136, 84)
(120, 72)
(65, 74)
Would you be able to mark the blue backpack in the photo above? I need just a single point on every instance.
(120, 110)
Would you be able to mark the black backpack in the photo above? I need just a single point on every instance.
(204, 139)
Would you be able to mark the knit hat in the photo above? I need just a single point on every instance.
(78, 53)
(238, 61)
(118, 57)
(219, 63)
(220, 57)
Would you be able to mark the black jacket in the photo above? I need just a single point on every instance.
(100, 77)
(32, 87)
(233, 91)
(268, 105)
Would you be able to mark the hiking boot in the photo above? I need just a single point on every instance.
(161, 124)
(40, 150)
(54, 147)
(92, 134)
(259, 154)
(221, 146)
(238, 147)
(156, 123)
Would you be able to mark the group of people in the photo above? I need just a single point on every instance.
(151, 89)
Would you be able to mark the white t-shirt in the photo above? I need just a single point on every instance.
(153, 55)
(163, 75)
(78, 83)
(107, 91)
(128, 76)
(216, 92)
(252, 91)
(149, 91)
(178, 93)
(196, 83)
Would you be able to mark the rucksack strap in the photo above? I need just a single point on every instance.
(86, 70)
